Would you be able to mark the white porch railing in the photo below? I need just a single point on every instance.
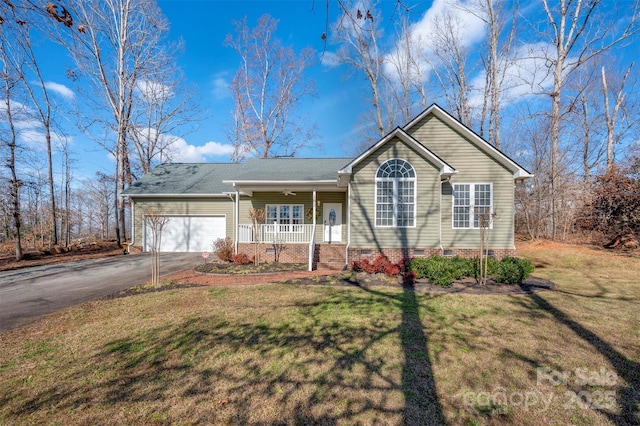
(282, 234)
(245, 233)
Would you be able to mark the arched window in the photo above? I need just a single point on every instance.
(395, 194)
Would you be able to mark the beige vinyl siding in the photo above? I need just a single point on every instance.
(474, 166)
(364, 233)
(261, 199)
(182, 206)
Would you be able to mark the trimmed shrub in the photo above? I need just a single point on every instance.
(223, 248)
(241, 259)
(380, 265)
(443, 271)
(513, 270)
(440, 270)
(474, 267)
(418, 266)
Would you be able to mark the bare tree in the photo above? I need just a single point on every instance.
(611, 113)
(101, 200)
(591, 150)
(257, 217)
(358, 31)
(576, 39)
(155, 222)
(501, 32)
(267, 90)
(35, 85)
(9, 140)
(407, 72)
(485, 220)
(450, 62)
(114, 48)
(162, 107)
(66, 194)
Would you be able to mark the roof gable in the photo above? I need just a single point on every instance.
(519, 172)
(445, 169)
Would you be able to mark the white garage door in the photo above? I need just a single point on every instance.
(188, 233)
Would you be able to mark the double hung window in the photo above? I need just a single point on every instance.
(472, 205)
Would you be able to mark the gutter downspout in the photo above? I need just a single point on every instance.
(346, 249)
(442, 181)
(133, 226)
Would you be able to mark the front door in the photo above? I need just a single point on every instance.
(332, 220)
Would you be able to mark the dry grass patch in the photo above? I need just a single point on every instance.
(325, 355)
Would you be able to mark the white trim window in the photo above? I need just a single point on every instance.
(472, 202)
(289, 217)
(396, 194)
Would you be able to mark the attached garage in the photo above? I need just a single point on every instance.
(188, 233)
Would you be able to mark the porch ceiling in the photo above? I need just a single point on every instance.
(249, 187)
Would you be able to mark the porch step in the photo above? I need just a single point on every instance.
(329, 266)
(329, 256)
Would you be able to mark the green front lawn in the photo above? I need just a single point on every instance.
(324, 355)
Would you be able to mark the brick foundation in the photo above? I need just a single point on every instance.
(332, 256)
(397, 254)
(289, 253)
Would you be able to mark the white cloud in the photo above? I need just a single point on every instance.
(148, 89)
(18, 109)
(35, 139)
(60, 89)
(220, 83)
(330, 59)
(526, 76)
(27, 123)
(183, 152)
(469, 28)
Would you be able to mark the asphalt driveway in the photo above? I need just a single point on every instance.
(29, 293)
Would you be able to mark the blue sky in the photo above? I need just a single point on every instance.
(342, 96)
(203, 25)
(208, 65)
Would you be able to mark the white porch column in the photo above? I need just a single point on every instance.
(236, 212)
(314, 208)
(346, 249)
(312, 243)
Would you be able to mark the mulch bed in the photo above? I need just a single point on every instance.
(263, 268)
(334, 278)
(149, 288)
(467, 286)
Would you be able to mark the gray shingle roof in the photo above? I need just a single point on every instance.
(207, 178)
(288, 169)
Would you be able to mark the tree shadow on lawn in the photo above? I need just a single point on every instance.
(628, 396)
(322, 367)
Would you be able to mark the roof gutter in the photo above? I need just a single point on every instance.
(279, 182)
(219, 195)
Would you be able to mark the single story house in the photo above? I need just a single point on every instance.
(427, 188)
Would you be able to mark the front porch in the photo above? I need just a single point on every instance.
(293, 243)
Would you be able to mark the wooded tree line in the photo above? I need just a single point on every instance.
(124, 72)
(547, 85)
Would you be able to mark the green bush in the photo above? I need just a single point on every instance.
(443, 271)
(440, 270)
(513, 270)
(474, 268)
(418, 265)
